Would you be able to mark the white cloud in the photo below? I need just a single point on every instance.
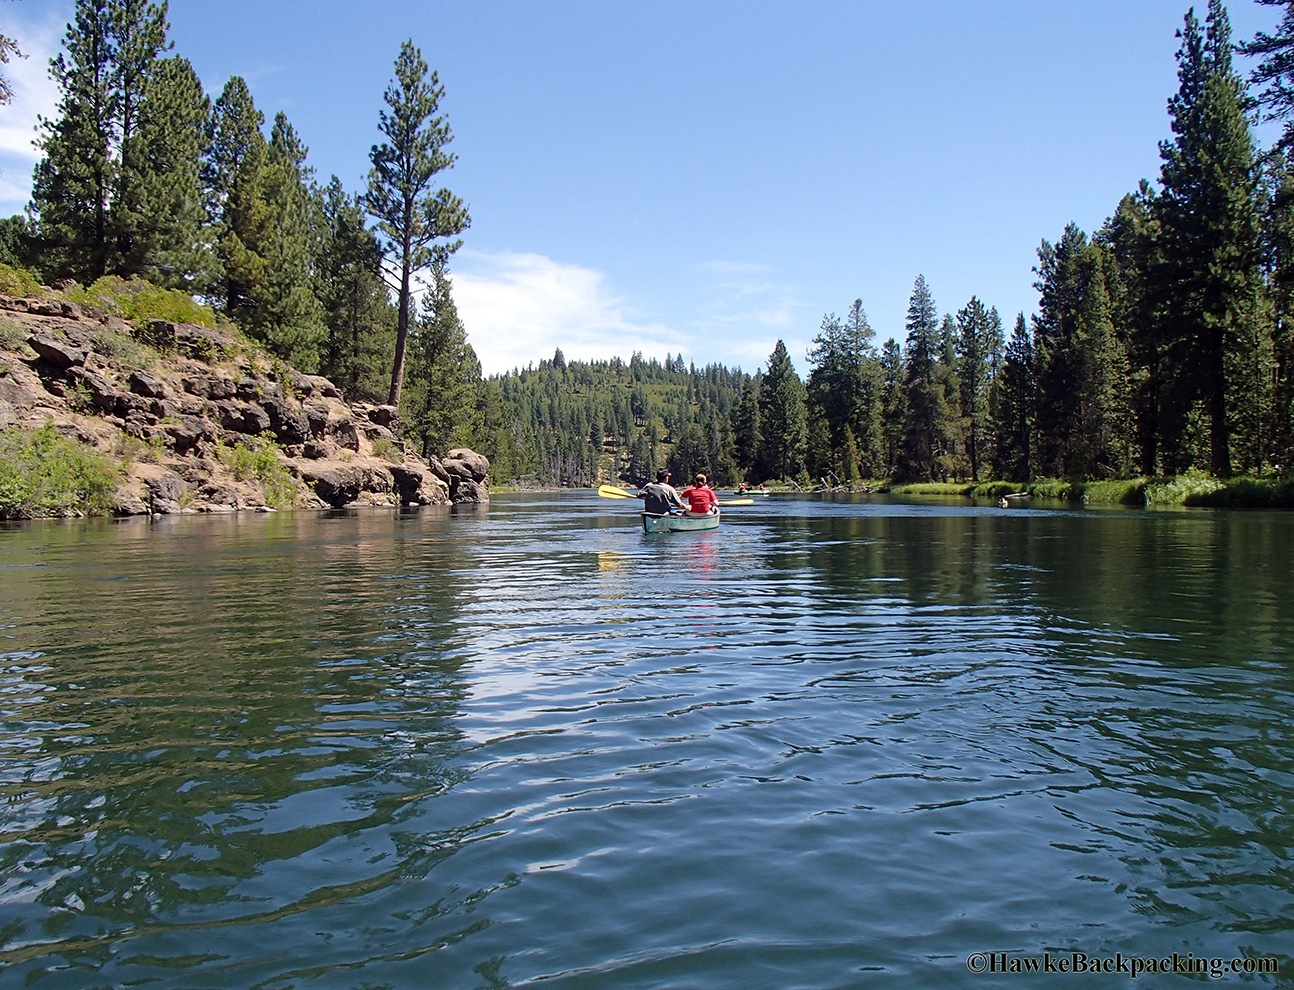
(519, 308)
(749, 306)
(34, 95)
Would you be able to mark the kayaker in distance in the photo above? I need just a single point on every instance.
(659, 496)
(702, 501)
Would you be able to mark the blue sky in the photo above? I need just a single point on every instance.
(705, 178)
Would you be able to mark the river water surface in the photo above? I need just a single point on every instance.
(836, 743)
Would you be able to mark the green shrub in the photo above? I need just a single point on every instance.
(18, 282)
(137, 299)
(256, 459)
(12, 335)
(388, 450)
(124, 350)
(44, 474)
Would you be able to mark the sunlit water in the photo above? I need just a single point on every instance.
(836, 743)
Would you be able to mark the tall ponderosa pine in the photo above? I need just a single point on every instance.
(360, 320)
(169, 237)
(844, 389)
(1132, 239)
(747, 431)
(87, 187)
(415, 224)
(927, 419)
(286, 313)
(1083, 414)
(979, 345)
(1209, 237)
(1013, 407)
(139, 34)
(73, 180)
(782, 417)
(234, 177)
(444, 375)
(1275, 69)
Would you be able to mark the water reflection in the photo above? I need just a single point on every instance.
(532, 744)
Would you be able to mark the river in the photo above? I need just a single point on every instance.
(839, 742)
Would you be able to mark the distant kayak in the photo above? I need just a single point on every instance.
(750, 491)
(678, 524)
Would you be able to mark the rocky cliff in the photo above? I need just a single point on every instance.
(201, 420)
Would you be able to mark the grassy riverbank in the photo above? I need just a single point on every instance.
(1193, 489)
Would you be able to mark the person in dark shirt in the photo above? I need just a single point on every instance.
(659, 497)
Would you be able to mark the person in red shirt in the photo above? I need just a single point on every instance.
(701, 500)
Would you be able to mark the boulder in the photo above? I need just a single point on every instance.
(314, 450)
(129, 504)
(437, 469)
(148, 385)
(338, 486)
(189, 432)
(343, 432)
(288, 424)
(128, 405)
(383, 415)
(54, 307)
(102, 394)
(469, 491)
(418, 487)
(164, 493)
(56, 352)
(244, 417)
(476, 466)
(316, 414)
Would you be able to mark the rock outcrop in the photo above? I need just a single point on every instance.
(202, 421)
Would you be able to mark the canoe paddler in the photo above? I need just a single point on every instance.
(701, 499)
(659, 497)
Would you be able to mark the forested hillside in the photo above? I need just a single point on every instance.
(1163, 342)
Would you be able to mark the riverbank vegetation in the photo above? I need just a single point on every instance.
(1159, 368)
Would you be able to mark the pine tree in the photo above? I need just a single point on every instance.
(979, 338)
(1209, 233)
(747, 433)
(445, 378)
(169, 239)
(360, 320)
(139, 36)
(1279, 237)
(925, 412)
(73, 181)
(1014, 407)
(415, 224)
(286, 314)
(782, 417)
(844, 390)
(1084, 414)
(950, 428)
(89, 187)
(1275, 69)
(1132, 237)
(892, 405)
(8, 49)
(234, 177)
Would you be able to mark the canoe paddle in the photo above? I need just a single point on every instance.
(610, 491)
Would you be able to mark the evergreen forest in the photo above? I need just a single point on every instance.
(1163, 342)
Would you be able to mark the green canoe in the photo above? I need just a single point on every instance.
(678, 524)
